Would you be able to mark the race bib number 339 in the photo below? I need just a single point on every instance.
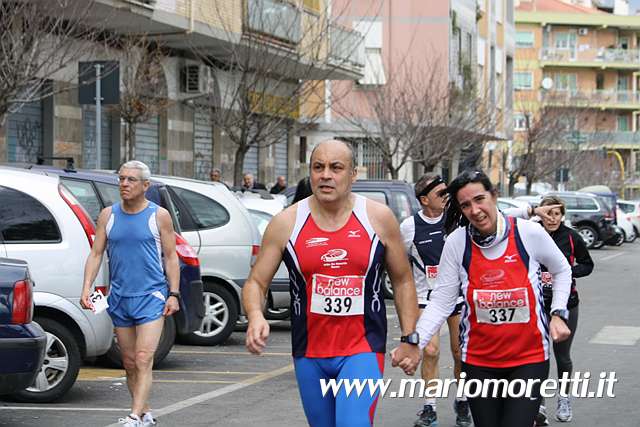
(501, 306)
(337, 296)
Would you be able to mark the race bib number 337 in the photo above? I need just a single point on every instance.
(337, 296)
(501, 306)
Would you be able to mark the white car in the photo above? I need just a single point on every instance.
(262, 207)
(220, 229)
(631, 211)
(42, 223)
(627, 227)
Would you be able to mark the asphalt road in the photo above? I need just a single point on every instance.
(225, 386)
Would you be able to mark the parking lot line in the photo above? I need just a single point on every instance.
(231, 353)
(62, 408)
(99, 374)
(612, 256)
(219, 392)
(196, 381)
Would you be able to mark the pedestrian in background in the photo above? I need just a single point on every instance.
(279, 186)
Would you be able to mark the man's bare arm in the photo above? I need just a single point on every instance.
(94, 260)
(255, 288)
(168, 242)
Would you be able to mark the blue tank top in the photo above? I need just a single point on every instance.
(135, 252)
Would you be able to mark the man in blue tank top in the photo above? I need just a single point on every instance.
(138, 235)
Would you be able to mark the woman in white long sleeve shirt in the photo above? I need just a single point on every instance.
(504, 332)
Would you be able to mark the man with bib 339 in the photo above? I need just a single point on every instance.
(335, 245)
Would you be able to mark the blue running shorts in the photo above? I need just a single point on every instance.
(340, 410)
(127, 312)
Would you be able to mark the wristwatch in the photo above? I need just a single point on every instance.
(175, 294)
(562, 313)
(413, 338)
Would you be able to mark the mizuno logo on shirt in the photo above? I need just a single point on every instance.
(510, 258)
(354, 233)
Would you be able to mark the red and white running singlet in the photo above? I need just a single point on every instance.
(503, 323)
(337, 304)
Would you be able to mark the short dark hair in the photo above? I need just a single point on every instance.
(453, 214)
(553, 200)
(347, 144)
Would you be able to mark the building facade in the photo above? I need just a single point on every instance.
(583, 59)
(198, 77)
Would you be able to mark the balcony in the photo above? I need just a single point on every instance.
(346, 47)
(615, 138)
(280, 20)
(602, 99)
(595, 57)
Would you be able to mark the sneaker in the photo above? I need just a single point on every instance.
(148, 420)
(463, 414)
(564, 413)
(427, 417)
(132, 420)
(541, 417)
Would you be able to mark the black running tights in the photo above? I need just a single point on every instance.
(506, 412)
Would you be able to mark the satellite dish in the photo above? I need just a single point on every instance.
(547, 83)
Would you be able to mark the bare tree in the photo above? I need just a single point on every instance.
(419, 116)
(272, 77)
(143, 91)
(40, 39)
(547, 139)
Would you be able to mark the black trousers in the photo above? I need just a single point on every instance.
(507, 411)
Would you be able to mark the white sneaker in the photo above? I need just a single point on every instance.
(148, 420)
(564, 414)
(132, 420)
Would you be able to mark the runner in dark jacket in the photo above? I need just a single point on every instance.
(575, 250)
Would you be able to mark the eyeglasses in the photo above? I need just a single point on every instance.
(131, 179)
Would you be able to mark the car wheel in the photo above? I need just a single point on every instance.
(632, 237)
(589, 236)
(220, 316)
(60, 367)
(621, 238)
(387, 288)
(113, 357)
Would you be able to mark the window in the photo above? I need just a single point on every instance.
(482, 45)
(498, 10)
(521, 121)
(623, 123)
(571, 203)
(303, 150)
(626, 207)
(206, 212)
(260, 219)
(566, 82)
(402, 205)
(110, 193)
(499, 60)
(565, 40)
(86, 195)
(599, 81)
(377, 196)
(587, 204)
(522, 80)
(23, 219)
(373, 65)
(525, 39)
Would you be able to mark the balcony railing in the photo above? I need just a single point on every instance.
(280, 20)
(614, 137)
(594, 99)
(346, 46)
(593, 55)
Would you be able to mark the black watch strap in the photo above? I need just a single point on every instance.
(412, 338)
(175, 294)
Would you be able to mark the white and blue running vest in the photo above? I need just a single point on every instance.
(135, 252)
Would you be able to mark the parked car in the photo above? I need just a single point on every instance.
(629, 233)
(509, 203)
(591, 216)
(531, 200)
(262, 207)
(220, 229)
(631, 210)
(97, 190)
(398, 195)
(42, 223)
(23, 343)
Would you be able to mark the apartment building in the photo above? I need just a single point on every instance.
(455, 40)
(182, 139)
(583, 57)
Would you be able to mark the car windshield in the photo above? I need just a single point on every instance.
(626, 208)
